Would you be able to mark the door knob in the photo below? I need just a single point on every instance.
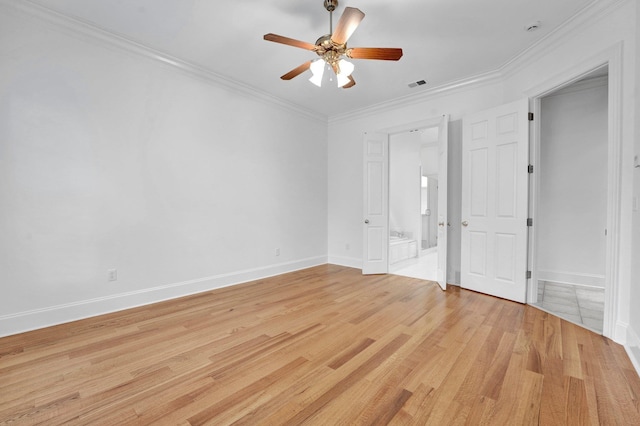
(366, 221)
(440, 223)
(465, 223)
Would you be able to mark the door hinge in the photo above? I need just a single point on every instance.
(530, 116)
(528, 275)
(529, 221)
(530, 168)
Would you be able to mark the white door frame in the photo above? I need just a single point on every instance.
(613, 59)
(402, 128)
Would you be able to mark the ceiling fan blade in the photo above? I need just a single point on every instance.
(347, 24)
(351, 83)
(296, 71)
(380, 53)
(289, 41)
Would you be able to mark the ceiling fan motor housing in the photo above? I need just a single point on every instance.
(329, 50)
(330, 5)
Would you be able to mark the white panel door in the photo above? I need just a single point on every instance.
(495, 149)
(375, 232)
(443, 159)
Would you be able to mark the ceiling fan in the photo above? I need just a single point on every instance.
(332, 49)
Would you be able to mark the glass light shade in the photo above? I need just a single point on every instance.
(342, 79)
(317, 69)
(346, 68)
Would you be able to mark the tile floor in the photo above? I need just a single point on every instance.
(580, 305)
(425, 267)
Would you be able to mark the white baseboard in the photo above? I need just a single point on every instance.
(633, 348)
(40, 318)
(351, 262)
(620, 333)
(587, 280)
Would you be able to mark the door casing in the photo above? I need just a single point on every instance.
(612, 58)
(428, 123)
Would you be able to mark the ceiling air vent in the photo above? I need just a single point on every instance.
(532, 26)
(417, 83)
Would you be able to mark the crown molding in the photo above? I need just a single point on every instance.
(87, 30)
(591, 13)
(586, 16)
(415, 98)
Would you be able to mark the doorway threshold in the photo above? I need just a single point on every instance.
(424, 267)
(583, 306)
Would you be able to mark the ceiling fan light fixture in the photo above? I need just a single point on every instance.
(332, 48)
(345, 69)
(342, 80)
(317, 70)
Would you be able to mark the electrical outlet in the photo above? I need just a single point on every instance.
(277, 252)
(112, 274)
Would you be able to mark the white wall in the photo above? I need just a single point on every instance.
(634, 320)
(572, 209)
(579, 46)
(605, 27)
(111, 160)
(429, 156)
(404, 185)
(346, 162)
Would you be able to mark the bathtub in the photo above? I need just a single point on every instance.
(401, 248)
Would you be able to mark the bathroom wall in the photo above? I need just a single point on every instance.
(404, 184)
(429, 214)
(429, 160)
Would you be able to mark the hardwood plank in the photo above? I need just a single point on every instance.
(243, 394)
(347, 355)
(325, 345)
(365, 368)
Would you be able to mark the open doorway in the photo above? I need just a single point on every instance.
(375, 228)
(413, 203)
(571, 174)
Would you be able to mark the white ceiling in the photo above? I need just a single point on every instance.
(443, 40)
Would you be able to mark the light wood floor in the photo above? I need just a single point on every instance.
(322, 346)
